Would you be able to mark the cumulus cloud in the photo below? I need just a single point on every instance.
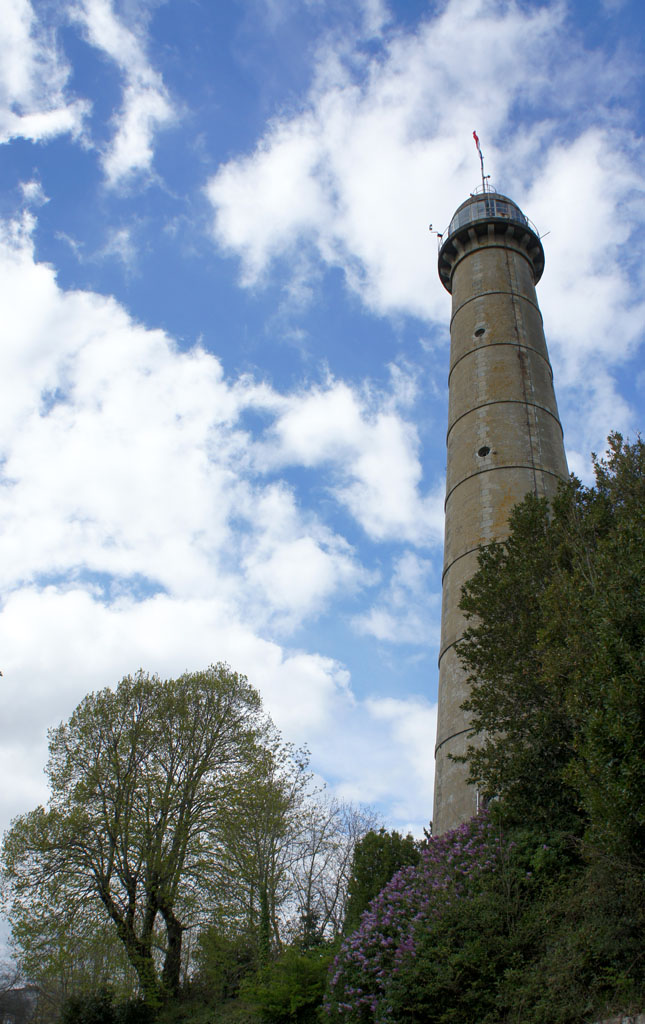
(414, 725)
(146, 106)
(124, 456)
(373, 452)
(374, 149)
(408, 610)
(143, 524)
(383, 146)
(34, 103)
(390, 754)
(589, 199)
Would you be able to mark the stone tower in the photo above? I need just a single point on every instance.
(504, 435)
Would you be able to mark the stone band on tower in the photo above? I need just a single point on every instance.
(504, 435)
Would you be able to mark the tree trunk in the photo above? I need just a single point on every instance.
(138, 950)
(265, 928)
(140, 956)
(171, 973)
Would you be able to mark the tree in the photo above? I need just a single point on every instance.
(603, 589)
(549, 882)
(17, 1000)
(284, 855)
(70, 949)
(556, 658)
(408, 906)
(323, 869)
(519, 708)
(290, 990)
(257, 837)
(139, 777)
(377, 857)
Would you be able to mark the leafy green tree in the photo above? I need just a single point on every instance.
(258, 833)
(470, 933)
(100, 1007)
(377, 857)
(139, 778)
(277, 967)
(556, 656)
(70, 949)
(519, 708)
(290, 990)
(535, 910)
(602, 587)
(222, 961)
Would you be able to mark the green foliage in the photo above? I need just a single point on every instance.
(222, 962)
(70, 949)
(367, 972)
(545, 920)
(290, 989)
(605, 593)
(518, 706)
(556, 656)
(256, 850)
(176, 808)
(101, 1008)
(377, 857)
(139, 776)
(495, 927)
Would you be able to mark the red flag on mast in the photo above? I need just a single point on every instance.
(476, 138)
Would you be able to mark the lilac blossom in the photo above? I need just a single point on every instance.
(414, 898)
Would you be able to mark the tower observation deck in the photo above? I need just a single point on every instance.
(504, 434)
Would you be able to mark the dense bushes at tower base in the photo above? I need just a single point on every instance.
(535, 913)
(496, 926)
(290, 990)
(103, 1007)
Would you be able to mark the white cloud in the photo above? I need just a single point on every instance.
(381, 147)
(374, 453)
(85, 643)
(124, 456)
(121, 246)
(360, 171)
(589, 197)
(376, 16)
(33, 193)
(146, 106)
(34, 100)
(384, 749)
(59, 645)
(408, 611)
(291, 199)
(414, 726)
(293, 565)
(33, 78)
(140, 524)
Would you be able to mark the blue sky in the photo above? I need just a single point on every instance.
(224, 342)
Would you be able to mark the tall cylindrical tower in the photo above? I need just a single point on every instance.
(504, 435)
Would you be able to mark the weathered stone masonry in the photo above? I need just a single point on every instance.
(504, 435)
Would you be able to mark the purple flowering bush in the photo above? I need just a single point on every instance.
(384, 947)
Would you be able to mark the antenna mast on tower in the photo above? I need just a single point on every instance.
(481, 159)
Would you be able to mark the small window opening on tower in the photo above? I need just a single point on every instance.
(480, 331)
(483, 451)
